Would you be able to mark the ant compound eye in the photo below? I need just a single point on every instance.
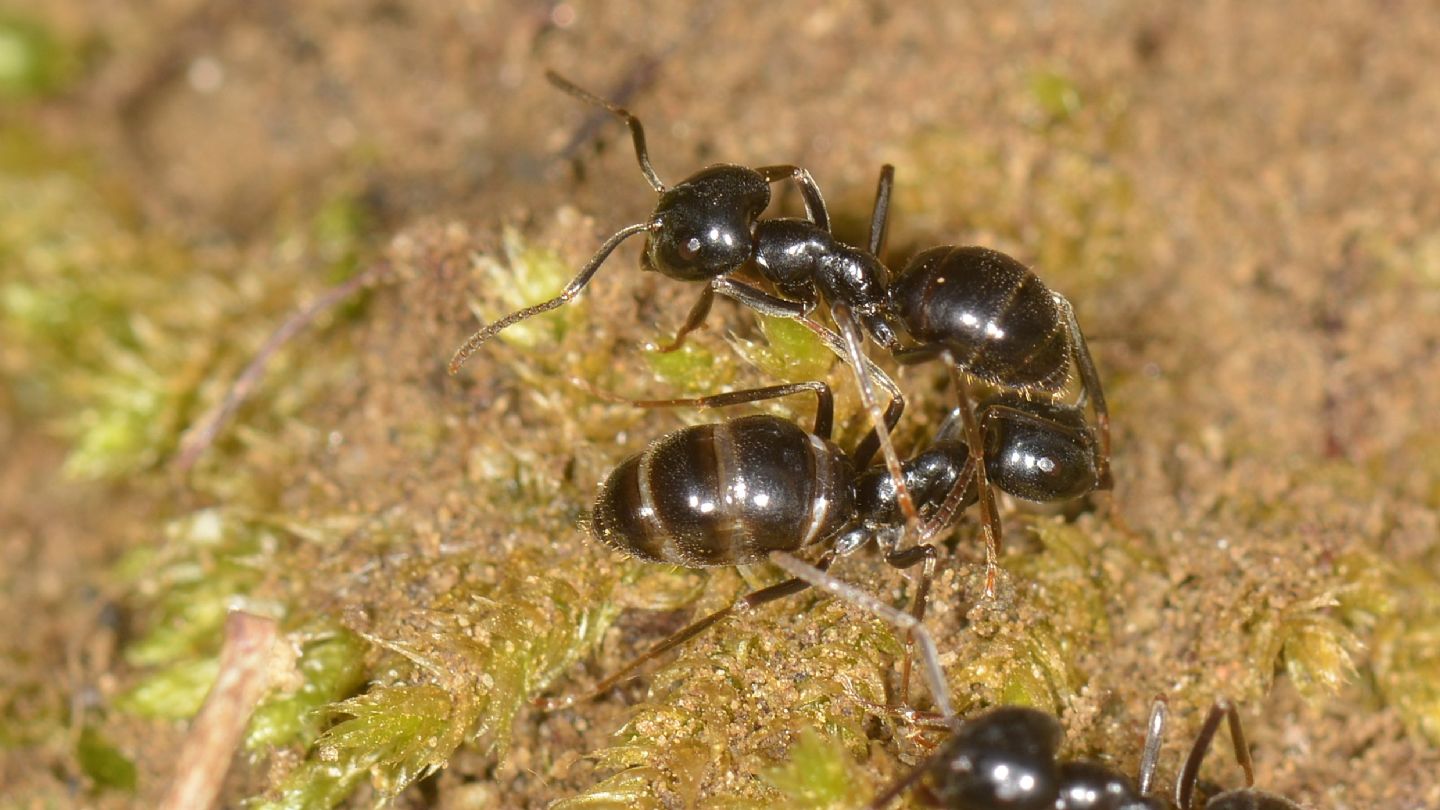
(690, 248)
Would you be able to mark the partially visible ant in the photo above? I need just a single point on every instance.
(1005, 759)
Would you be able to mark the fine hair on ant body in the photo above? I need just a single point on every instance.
(1007, 759)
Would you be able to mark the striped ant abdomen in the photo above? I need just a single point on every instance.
(726, 494)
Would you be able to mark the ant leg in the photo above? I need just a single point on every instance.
(637, 132)
(871, 443)
(696, 319)
(880, 216)
(903, 784)
(989, 516)
(853, 351)
(809, 191)
(926, 555)
(824, 400)
(1090, 380)
(1154, 736)
(571, 290)
(819, 578)
(944, 517)
(740, 606)
(1190, 774)
(759, 300)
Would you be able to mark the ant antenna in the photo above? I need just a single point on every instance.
(571, 290)
(637, 131)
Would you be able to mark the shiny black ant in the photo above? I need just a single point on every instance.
(760, 488)
(1005, 759)
(707, 227)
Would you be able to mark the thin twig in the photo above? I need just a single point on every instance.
(204, 432)
(215, 734)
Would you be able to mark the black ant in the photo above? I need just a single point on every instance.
(707, 227)
(760, 487)
(1005, 759)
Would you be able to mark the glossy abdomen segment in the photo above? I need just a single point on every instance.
(725, 494)
(995, 316)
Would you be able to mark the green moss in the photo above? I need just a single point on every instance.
(1406, 649)
(211, 558)
(173, 692)
(1055, 95)
(33, 61)
(820, 774)
(103, 763)
(331, 667)
(461, 669)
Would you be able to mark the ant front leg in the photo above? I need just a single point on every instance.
(740, 606)
(854, 353)
(1090, 382)
(924, 555)
(1190, 774)
(989, 515)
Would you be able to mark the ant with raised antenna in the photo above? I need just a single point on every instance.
(708, 226)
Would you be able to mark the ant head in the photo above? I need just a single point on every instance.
(1090, 786)
(1038, 451)
(704, 226)
(1003, 759)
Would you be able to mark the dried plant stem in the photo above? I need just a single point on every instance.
(214, 736)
